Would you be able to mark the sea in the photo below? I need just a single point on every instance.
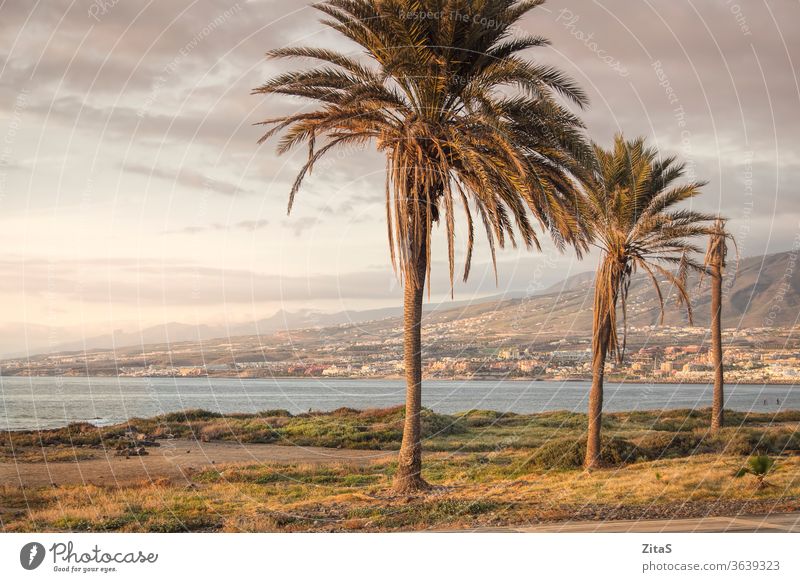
(29, 403)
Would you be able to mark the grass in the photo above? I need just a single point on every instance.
(41, 454)
(475, 490)
(344, 428)
(490, 469)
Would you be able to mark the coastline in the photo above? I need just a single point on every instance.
(477, 378)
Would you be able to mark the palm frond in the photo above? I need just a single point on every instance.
(457, 112)
(632, 207)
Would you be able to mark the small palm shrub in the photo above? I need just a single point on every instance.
(759, 467)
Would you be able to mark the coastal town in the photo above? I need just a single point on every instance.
(653, 354)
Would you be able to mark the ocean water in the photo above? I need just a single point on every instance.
(35, 403)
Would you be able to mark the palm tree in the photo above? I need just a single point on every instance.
(631, 200)
(715, 264)
(439, 87)
(759, 467)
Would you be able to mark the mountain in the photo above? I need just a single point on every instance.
(763, 292)
(43, 339)
(574, 283)
(175, 332)
(562, 314)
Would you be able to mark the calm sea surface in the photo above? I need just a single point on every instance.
(30, 403)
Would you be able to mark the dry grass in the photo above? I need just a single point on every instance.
(489, 468)
(474, 490)
(42, 454)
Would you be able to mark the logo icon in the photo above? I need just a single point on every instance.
(31, 555)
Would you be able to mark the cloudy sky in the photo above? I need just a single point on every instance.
(132, 191)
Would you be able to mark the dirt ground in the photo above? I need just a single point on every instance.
(172, 460)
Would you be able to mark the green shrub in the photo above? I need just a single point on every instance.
(434, 424)
(570, 453)
(738, 441)
(480, 418)
(275, 413)
(189, 415)
(661, 445)
(759, 467)
(561, 419)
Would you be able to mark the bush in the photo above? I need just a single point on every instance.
(434, 424)
(729, 442)
(480, 418)
(189, 415)
(661, 445)
(737, 441)
(273, 413)
(570, 453)
(562, 419)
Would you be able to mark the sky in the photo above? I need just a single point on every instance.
(133, 193)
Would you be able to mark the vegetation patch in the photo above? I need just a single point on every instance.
(570, 453)
(478, 490)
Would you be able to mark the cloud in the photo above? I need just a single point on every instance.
(301, 225)
(187, 177)
(175, 282)
(247, 225)
(252, 224)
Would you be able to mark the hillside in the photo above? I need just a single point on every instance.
(763, 292)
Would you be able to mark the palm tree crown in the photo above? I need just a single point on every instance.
(431, 90)
(631, 210)
(717, 249)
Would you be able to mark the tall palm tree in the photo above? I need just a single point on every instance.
(631, 209)
(715, 258)
(440, 88)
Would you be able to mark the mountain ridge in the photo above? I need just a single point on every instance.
(763, 291)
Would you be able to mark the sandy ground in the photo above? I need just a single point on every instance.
(173, 460)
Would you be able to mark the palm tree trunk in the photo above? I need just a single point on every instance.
(607, 283)
(408, 477)
(601, 337)
(716, 345)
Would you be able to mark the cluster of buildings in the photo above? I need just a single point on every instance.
(654, 355)
(690, 363)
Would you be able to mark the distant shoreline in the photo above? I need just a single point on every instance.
(428, 379)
